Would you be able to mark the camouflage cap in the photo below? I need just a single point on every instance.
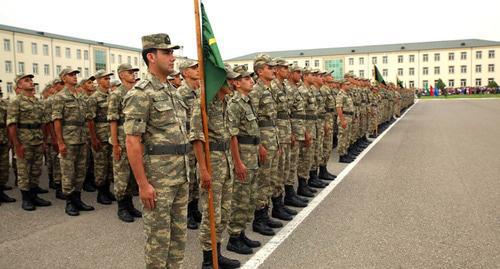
(348, 75)
(21, 76)
(316, 71)
(127, 67)
(67, 71)
(307, 70)
(295, 67)
(242, 70)
(158, 41)
(173, 75)
(57, 81)
(115, 83)
(232, 75)
(327, 73)
(102, 73)
(281, 62)
(263, 59)
(187, 64)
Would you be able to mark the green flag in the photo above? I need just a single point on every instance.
(215, 74)
(378, 76)
(399, 82)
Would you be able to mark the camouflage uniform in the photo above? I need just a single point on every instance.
(330, 116)
(297, 123)
(157, 114)
(4, 144)
(306, 154)
(53, 162)
(344, 102)
(320, 128)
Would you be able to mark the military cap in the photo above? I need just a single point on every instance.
(102, 73)
(232, 75)
(307, 70)
(187, 64)
(57, 81)
(242, 71)
(21, 76)
(348, 75)
(115, 83)
(327, 73)
(174, 74)
(281, 62)
(295, 67)
(67, 71)
(158, 41)
(127, 67)
(137, 79)
(263, 59)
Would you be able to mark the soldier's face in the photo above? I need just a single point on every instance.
(267, 72)
(127, 76)
(295, 76)
(26, 85)
(192, 73)
(104, 82)
(164, 60)
(246, 84)
(70, 79)
(282, 71)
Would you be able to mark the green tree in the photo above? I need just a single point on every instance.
(492, 84)
(440, 85)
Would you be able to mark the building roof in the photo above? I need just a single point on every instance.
(62, 37)
(434, 45)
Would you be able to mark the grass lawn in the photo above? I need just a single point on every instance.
(462, 96)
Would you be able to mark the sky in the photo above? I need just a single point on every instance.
(243, 27)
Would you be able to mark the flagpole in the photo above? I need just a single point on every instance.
(201, 67)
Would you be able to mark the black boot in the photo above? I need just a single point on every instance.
(290, 211)
(316, 183)
(226, 263)
(248, 241)
(52, 184)
(131, 209)
(259, 224)
(59, 194)
(192, 224)
(4, 198)
(80, 205)
(345, 159)
(207, 260)
(291, 198)
(5, 188)
(270, 221)
(236, 244)
(123, 213)
(37, 200)
(278, 211)
(303, 190)
(323, 173)
(108, 192)
(27, 203)
(39, 190)
(89, 185)
(71, 208)
(102, 198)
(195, 211)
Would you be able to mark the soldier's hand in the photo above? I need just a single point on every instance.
(62, 149)
(206, 179)
(327, 129)
(262, 154)
(307, 141)
(241, 171)
(148, 196)
(96, 144)
(117, 152)
(55, 147)
(20, 151)
(344, 124)
(293, 140)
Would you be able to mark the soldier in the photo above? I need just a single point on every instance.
(374, 98)
(155, 116)
(189, 91)
(115, 84)
(25, 121)
(121, 168)
(4, 152)
(99, 137)
(87, 87)
(244, 131)
(175, 79)
(345, 111)
(330, 114)
(69, 116)
(265, 107)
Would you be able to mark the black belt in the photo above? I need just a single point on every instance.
(348, 113)
(29, 126)
(120, 122)
(329, 110)
(311, 117)
(321, 117)
(219, 145)
(374, 105)
(299, 117)
(73, 123)
(266, 123)
(188, 125)
(100, 120)
(283, 116)
(248, 140)
(172, 149)
(2, 125)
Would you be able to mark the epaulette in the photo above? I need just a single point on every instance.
(142, 84)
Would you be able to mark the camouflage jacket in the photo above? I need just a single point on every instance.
(297, 111)
(71, 109)
(115, 112)
(3, 119)
(188, 95)
(310, 107)
(98, 110)
(329, 97)
(283, 111)
(344, 101)
(27, 114)
(264, 103)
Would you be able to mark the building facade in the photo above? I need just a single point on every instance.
(459, 63)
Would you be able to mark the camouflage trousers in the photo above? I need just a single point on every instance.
(364, 122)
(283, 172)
(374, 120)
(89, 173)
(294, 160)
(4, 164)
(266, 174)
(328, 140)
(305, 159)
(29, 168)
(318, 144)
(343, 134)
(243, 203)
(397, 109)
(73, 168)
(103, 164)
(53, 163)
(353, 130)
(121, 175)
(194, 190)
(222, 189)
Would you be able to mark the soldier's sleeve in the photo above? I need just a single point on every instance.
(233, 114)
(338, 100)
(113, 105)
(136, 109)
(13, 112)
(91, 107)
(57, 108)
(46, 112)
(196, 132)
(254, 96)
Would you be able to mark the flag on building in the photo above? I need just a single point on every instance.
(378, 77)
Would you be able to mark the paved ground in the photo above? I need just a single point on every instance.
(426, 196)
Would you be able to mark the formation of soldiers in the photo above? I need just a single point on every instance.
(271, 133)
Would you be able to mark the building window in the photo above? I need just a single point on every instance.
(463, 69)
(374, 60)
(425, 83)
(361, 60)
(8, 67)
(491, 68)
(400, 71)
(79, 54)
(436, 70)
(425, 70)
(68, 53)
(306, 63)
(463, 55)
(10, 87)
(411, 83)
(385, 72)
(86, 55)
(478, 68)
(58, 51)
(86, 72)
(20, 68)
(58, 69)
(120, 59)
(80, 72)
(451, 83)
(384, 60)
(136, 61)
(491, 54)
(425, 57)
(479, 55)
(490, 80)
(316, 63)
(412, 58)
(400, 59)
(6, 44)
(451, 56)
(463, 82)
(351, 61)
(34, 48)
(46, 69)
(35, 69)
(437, 57)
(451, 69)
(361, 73)
(20, 46)
(129, 60)
(100, 59)
(45, 50)
(478, 82)
(412, 71)
(112, 58)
